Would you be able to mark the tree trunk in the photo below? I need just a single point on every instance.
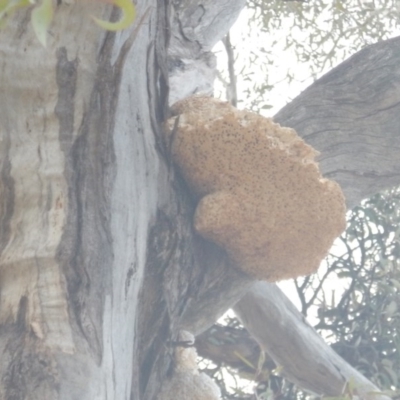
(99, 262)
(99, 265)
(80, 176)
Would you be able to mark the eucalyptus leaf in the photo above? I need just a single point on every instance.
(41, 18)
(128, 16)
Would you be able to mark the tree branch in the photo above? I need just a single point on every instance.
(231, 89)
(351, 115)
(293, 344)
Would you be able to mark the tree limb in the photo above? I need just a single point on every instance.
(293, 344)
(351, 115)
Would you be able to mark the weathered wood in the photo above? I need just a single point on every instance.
(78, 190)
(295, 346)
(99, 265)
(195, 29)
(352, 116)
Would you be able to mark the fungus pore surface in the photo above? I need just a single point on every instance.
(261, 195)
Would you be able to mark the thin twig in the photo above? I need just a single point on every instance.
(231, 92)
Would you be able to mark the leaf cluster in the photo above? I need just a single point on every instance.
(43, 13)
(295, 42)
(363, 321)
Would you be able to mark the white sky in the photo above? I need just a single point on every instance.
(252, 42)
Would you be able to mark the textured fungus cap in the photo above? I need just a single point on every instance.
(262, 197)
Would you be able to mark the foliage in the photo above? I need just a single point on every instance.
(363, 322)
(41, 18)
(43, 13)
(297, 41)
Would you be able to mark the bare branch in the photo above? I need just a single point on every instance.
(293, 344)
(231, 92)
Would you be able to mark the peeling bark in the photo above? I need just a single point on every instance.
(99, 264)
(74, 172)
(195, 29)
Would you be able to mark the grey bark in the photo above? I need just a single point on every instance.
(99, 264)
(79, 124)
(351, 115)
(294, 345)
(195, 29)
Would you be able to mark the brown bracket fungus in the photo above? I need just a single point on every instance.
(262, 197)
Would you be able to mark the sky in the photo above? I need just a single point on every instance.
(288, 54)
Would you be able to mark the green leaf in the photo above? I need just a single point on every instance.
(128, 16)
(41, 18)
(8, 7)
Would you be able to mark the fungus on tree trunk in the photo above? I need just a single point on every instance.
(262, 197)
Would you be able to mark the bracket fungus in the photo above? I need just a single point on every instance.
(261, 195)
